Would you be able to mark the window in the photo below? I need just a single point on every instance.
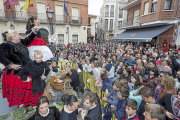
(167, 5)
(120, 13)
(89, 31)
(106, 24)
(74, 39)
(119, 24)
(59, 10)
(146, 7)
(107, 11)
(111, 24)
(61, 38)
(154, 5)
(41, 9)
(112, 11)
(21, 14)
(89, 21)
(75, 14)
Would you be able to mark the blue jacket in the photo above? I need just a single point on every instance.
(120, 110)
(131, 62)
(115, 99)
(131, 88)
(104, 84)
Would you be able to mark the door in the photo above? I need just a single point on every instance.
(44, 35)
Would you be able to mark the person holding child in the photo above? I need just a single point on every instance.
(14, 56)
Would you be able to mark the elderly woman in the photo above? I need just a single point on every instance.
(169, 86)
(44, 112)
(93, 104)
(15, 55)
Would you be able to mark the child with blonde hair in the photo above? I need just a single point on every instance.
(37, 72)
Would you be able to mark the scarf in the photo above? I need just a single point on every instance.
(175, 105)
(19, 47)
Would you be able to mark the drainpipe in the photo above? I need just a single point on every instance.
(176, 8)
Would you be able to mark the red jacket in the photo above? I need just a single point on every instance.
(133, 118)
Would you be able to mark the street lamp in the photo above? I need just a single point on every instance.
(101, 29)
(50, 13)
(12, 26)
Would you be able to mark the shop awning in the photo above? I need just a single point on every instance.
(142, 34)
(90, 36)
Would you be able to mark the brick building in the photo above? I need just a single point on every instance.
(72, 28)
(146, 14)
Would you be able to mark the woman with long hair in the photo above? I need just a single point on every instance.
(38, 43)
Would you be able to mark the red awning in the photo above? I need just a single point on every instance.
(90, 36)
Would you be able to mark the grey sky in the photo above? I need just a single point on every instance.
(94, 7)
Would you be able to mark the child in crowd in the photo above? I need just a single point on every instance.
(131, 107)
(38, 70)
(119, 110)
(112, 99)
(153, 112)
(55, 68)
(135, 82)
(148, 96)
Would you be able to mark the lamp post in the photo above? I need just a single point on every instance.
(12, 26)
(50, 13)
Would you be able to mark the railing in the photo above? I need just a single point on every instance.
(3, 14)
(111, 29)
(42, 17)
(61, 19)
(90, 85)
(89, 33)
(134, 21)
(75, 20)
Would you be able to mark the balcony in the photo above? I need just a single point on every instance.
(74, 20)
(129, 4)
(61, 19)
(134, 21)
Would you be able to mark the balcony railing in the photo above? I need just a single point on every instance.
(134, 21)
(3, 15)
(23, 16)
(74, 20)
(89, 33)
(61, 19)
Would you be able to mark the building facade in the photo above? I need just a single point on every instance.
(149, 13)
(107, 19)
(120, 15)
(91, 33)
(72, 28)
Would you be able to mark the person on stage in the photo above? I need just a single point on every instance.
(38, 43)
(14, 56)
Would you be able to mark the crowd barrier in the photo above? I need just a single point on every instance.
(90, 85)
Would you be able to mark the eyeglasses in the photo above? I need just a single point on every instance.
(160, 75)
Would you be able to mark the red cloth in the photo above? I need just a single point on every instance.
(137, 118)
(158, 62)
(18, 92)
(68, 46)
(37, 42)
(165, 49)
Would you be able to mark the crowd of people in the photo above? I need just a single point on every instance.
(143, 82)
(133, 75)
